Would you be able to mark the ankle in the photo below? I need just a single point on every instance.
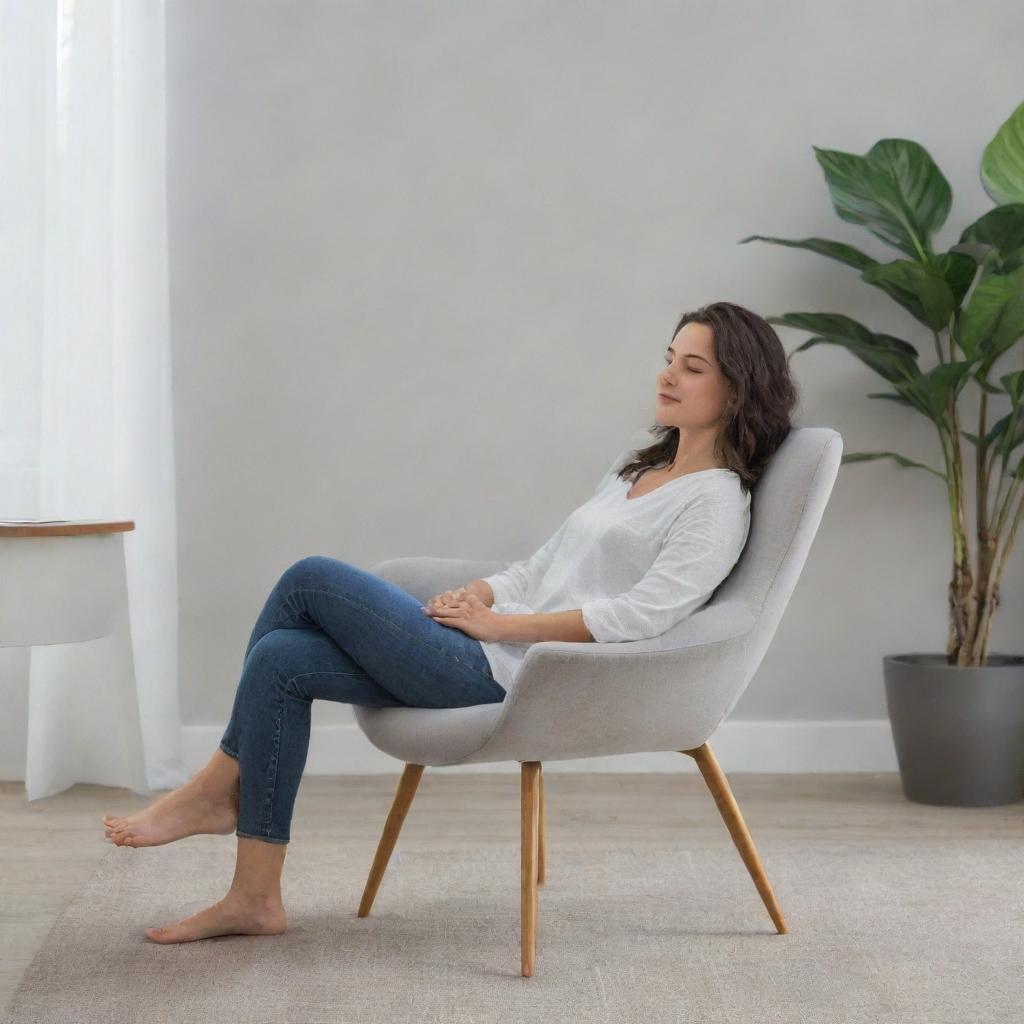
(215, 790)
(253, 901)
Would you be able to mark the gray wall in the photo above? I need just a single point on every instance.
(425, 259)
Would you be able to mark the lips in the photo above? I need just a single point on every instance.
(661, 394)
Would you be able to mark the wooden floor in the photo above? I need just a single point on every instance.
(49, 848)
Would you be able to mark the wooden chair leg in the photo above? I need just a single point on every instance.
(530, 829)
(399, 808)
(730, 811)
(540, 831)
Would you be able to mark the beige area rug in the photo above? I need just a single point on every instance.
(915, 933)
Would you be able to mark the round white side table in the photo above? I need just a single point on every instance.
(63, 592)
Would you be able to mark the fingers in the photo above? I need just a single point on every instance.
(449, 611)
(450, 598)
(456, 608)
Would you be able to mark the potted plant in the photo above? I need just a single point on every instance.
(957, 718)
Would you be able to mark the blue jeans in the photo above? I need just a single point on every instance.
(332, 631)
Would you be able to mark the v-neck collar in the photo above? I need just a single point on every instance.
(667, 483)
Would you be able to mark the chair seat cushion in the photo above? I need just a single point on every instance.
(429, 736)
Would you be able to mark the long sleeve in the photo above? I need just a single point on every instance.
(512, 582)
(701, 547)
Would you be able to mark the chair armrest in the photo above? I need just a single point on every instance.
(710, 624)
(670, 692)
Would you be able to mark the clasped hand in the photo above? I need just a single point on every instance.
(462, 609)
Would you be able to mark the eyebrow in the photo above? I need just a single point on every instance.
(689, 355)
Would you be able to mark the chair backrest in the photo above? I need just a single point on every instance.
(786, 507)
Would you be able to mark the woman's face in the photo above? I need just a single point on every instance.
(698, 390)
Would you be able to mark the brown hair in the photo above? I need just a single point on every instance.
(752, 358)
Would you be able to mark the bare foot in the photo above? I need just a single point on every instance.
(229, 916)
(186, 811)
(112, 820)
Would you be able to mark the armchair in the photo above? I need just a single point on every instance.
(576, 700)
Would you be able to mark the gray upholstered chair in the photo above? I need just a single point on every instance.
(573, 700)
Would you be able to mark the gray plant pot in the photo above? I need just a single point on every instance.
(959, 732)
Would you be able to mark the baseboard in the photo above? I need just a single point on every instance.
(863, 745)
(852, 746)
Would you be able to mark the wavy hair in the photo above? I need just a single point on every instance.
(752, 359)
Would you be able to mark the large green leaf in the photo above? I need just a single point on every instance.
(919, 288)
(1002, 163)
(994, 318)
(892, 358)
(943, 381)
(958, 269)
(1001, 229)
(901, 399)
(901, 459)
(840, 251)
(896, 191)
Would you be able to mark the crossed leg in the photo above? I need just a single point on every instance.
(320, 617)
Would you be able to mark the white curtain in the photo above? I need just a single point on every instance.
(86, 380)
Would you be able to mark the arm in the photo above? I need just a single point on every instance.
(527, 629)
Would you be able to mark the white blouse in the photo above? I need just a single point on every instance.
(633, 566)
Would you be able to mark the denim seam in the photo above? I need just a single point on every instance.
(388, 622)
(266, 821)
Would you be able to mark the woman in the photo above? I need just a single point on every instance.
(649, 547)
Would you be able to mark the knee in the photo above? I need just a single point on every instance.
(309, 569)
(308, 564)
(267, 666)
(273, 663)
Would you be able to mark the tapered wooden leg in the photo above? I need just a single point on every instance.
(403, 799)
(730, 811)
(540, 831)
(530, 805)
